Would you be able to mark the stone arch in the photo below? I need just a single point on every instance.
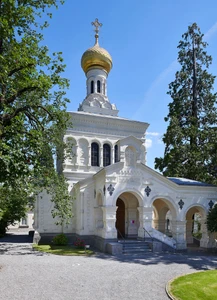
(136, 193)
(195, 216)
(107, 142)
(200, 208)
(169, 201)
(90, 85)
(164, 215)
(96, 141)
(127, 215)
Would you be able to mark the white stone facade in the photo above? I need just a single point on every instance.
(115, 194)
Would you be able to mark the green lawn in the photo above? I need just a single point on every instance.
(196, 286)
(62, 250)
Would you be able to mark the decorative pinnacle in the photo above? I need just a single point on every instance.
(96, 24)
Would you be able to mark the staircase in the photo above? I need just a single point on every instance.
(135, 246)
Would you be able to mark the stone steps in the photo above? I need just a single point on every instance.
(135, 246)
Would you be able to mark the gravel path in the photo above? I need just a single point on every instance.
(26, 274)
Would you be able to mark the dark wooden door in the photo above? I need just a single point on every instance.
(120, 218)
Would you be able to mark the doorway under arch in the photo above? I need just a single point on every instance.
(127, 216)
(120, 218)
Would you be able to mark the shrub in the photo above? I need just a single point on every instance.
(79, 243)
(60, 240)
(197, 235)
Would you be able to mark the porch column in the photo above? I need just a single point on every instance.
(109, 219)
(189, 236)
(208, 238)
(145, 221)
(101, 156)
(161, 225)
(179, 234)
(89, 156)
(112, 154)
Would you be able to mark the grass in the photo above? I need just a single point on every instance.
(196, 286)
(62, 250)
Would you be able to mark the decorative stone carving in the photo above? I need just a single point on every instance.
(211, 203)
(147, 191)
(110, 189)
(181, 203)
(98, 101)
(130, 157)
(131, 175)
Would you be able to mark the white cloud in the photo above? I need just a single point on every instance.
(159, 141)
(213, 30)
(148, 143)
(153, 133)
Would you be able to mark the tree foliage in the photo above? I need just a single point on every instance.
(212, 219)
(190, 139)
(33, 114)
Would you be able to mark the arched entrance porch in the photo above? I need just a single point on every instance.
(127, 216)
(195, 226)
(163, 216)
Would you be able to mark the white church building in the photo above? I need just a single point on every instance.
(116, 195)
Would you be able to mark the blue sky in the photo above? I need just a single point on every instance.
(142, 38)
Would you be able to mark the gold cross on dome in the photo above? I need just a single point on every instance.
(97, 25)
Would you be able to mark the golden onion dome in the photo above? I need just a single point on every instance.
(96, 57)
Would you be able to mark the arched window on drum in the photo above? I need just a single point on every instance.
(94, 155)
(106, 155)
(98, 86)
(92, 87)
(116, 154)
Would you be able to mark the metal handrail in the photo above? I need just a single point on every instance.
(148, 234)
(121, 234)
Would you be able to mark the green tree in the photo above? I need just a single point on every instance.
(212, 219)
(33, 114)
(190, 139)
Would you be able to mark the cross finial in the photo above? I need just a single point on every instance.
(96, 24)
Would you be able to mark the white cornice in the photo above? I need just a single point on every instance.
(97, 124)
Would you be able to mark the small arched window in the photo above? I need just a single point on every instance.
(95, 155)
(98, 86)
(106, 155)
(92, 87)
(116, 154)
